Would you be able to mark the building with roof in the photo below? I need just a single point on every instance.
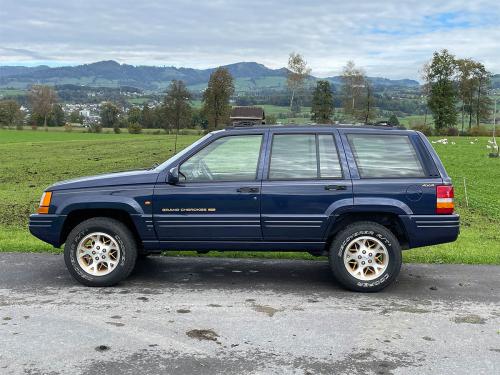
(247, 116)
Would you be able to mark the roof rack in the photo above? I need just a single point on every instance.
(368, 126)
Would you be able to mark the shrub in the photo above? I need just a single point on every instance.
(479, 131)
(95, 128)
(425, 129)
(68, 127)
(117, 130)
(134, 128)
(450, 132)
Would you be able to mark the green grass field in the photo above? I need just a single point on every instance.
(33, 160)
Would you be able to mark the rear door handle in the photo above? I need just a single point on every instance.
(248, 189)
(335, 187)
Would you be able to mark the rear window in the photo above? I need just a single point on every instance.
(385, 156)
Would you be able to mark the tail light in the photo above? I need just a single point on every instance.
(444, 199)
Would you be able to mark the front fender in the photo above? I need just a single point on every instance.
(82, 202)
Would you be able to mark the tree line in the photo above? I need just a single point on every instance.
(455, 89)
(176, 111)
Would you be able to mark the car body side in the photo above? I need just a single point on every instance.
(292, 215)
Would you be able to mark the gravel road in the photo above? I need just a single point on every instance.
(233, 316)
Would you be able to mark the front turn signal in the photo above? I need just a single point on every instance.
(45, 203)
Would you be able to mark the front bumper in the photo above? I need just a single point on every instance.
(426, 230)
(47, 228)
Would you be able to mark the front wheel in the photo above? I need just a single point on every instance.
(100, 252)
(365, 257)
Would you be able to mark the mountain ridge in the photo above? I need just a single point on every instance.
(109, 73)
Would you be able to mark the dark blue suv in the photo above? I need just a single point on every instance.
(357, 194)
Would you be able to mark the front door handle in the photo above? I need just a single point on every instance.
(335, 187)
(248, 189)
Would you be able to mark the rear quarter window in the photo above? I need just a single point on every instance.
(385, 156)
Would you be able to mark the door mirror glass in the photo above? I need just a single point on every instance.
(173, 176)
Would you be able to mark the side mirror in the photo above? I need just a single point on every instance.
(173, 176)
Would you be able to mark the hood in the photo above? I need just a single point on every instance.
(110, 179)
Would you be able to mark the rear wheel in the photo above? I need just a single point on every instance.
(100, 252)
(365, 257)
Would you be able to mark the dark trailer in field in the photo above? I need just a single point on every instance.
(247, 116)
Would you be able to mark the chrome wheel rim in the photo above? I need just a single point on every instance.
(98, 254)
(366, 258)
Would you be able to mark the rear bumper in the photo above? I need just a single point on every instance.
(425, 230)
(47, 228)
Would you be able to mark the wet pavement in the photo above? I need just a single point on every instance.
(214, 315)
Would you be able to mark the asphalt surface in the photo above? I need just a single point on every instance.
(233, 316)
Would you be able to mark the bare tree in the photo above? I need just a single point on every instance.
(369, 112)
(353, 89)
(42, 98)
(178, 107)
(298, 71)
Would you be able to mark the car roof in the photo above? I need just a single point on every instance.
(313, 127)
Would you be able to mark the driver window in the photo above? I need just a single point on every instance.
(231, 158)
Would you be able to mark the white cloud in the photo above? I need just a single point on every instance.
(388, 38)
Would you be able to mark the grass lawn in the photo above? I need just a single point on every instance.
(32, 160)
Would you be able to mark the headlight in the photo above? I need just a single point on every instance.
(45, 203)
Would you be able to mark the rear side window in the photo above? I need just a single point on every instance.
(385, 156)
(304, 156)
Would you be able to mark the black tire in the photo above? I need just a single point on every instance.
(123, 237)
(339, 247)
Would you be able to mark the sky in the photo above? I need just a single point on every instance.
(391, 38)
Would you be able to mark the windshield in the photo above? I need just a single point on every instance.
(181, 153)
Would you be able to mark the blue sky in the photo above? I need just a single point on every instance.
(387, 38)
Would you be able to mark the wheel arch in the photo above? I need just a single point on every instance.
(79, 215)
(390, 220)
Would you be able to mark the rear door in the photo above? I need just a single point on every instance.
(391, 169)
(306, 178)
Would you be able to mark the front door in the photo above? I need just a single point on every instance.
(218, 195)
(307, 180)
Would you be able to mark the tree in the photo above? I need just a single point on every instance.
(75, 117)
(466, 85)
(199, 119)
(57, 116)
(147, 117)
(42, 98)
(216, 98)
(134, 115)
(353, 84)
(10, 114)
(298, 71)
(473, 83)
(109, 115)
(482, 103)
(393, 120)
(177, 105)
(442, 101)
(368, 112)
(322, 103)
